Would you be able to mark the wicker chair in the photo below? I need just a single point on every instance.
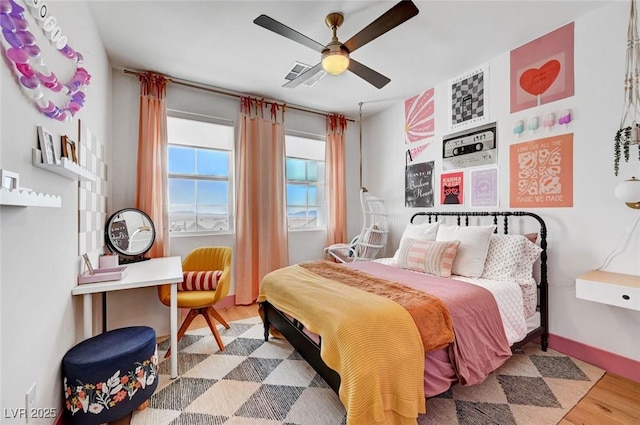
(373, 236)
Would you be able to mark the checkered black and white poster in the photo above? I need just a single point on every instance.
(468, 98)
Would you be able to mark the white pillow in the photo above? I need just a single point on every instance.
(511, 258)
(474, 244)
(418, 232)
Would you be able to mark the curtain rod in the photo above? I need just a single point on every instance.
(231, 93)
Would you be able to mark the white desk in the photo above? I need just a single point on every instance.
(153, 272)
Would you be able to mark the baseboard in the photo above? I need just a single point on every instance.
(614, 363)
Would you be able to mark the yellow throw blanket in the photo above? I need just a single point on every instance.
(373, 389)
(429, 313)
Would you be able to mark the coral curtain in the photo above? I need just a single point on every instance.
(151, 189)
(261, 223)
(335, 180)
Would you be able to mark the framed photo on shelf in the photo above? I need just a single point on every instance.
(69, 149)
(9, 179)
(47, 147)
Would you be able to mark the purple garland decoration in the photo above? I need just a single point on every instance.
(32, 72)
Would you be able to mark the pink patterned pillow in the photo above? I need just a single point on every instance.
(430, 257)
(200, 281)
(510, 258)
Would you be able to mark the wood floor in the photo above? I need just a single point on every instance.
(613, 400)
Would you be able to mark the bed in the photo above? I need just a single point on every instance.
(467, 356)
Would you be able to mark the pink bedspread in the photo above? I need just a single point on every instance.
(480, 344)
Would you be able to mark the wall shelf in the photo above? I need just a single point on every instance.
(622, 290)
(26, 198)
(66, 168)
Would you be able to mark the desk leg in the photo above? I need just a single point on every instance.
(87, 312)
(174, 330)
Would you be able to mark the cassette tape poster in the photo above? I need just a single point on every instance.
(418, 190)
(541, 173)
(484, 188)
(452, 188)
(477, 147)
(468, 98)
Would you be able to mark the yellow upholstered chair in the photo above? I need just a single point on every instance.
(202, 302)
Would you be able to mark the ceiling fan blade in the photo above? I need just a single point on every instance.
(393, 17)
(372, 77)
(279, 28)
(304, 76)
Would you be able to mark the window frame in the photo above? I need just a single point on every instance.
(320, 184)
(229, 179)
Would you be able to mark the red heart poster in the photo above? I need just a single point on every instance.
(538, 80)
(542, 70)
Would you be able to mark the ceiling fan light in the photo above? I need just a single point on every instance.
(335, 62)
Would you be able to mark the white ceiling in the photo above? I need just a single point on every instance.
(216, 43)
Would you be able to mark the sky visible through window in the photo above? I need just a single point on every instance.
(188, 161)
(198, 189)
(302, 192)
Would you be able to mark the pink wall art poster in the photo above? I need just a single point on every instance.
(419, 122)
(419, 117)
(541, 172)
(452, 188)
(542, 70)
(484, 188)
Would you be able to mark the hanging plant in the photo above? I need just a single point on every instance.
(629, 131)
(624, 138)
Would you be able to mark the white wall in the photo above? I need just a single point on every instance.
(580, 237)
(303, 245)
(39, 262)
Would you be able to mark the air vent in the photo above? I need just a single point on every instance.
(298, 68)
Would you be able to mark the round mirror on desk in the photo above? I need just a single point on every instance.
(130, 234)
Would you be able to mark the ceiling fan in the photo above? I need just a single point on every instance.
(336, 55)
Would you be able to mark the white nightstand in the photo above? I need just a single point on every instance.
(622, 290)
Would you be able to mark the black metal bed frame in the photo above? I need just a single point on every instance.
(292, 330)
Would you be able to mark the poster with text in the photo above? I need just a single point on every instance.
(470, 148)
(452, 188)
(484, 188)
(418, 190)
(542, 70)
(419, 118)
(541, 172)
(468, 98)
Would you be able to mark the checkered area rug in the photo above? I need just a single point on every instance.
(256, 383)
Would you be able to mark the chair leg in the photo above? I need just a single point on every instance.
(216, 315)
(184, 327)
(214, 329)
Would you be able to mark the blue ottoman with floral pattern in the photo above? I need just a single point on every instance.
(110, 375)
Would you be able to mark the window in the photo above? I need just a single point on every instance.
(304, 170)
(200, 174)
